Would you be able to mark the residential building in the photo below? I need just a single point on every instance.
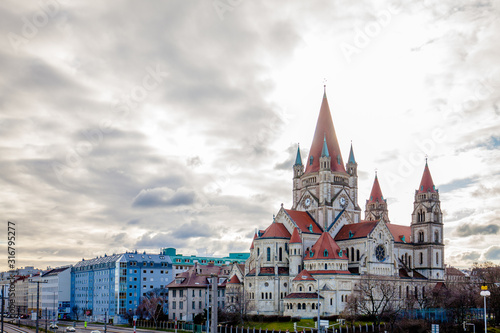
(189, 293)
(56, 292)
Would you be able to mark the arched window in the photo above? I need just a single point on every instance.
(325, 253)
(326, 267)
(421, 258)
(298, 306)
(295, 251)
(420, 236)
(310, 288)
(300, 288)
(342, 298)
(410, 263)
(280, 254)
(352, 253)
(270, 295)
(437, 258)
(357, 255)
(436, 236)
(416, 292)
(258, 252)
(268, 254)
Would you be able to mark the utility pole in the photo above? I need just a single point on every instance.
(105, 321)
(215, 280)
(38, 301)
(319, 326)
(3, 291)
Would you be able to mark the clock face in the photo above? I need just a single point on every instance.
(307, 202)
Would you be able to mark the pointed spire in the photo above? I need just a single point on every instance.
(298, 159)
(295, 236)
(324, 151)
(351, 156)
(426, 184)
(324, 126)
(376, 194)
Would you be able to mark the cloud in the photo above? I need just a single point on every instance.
(164, 197)
(194, 229)
(493, 253)
(470, 229)
(457, 184)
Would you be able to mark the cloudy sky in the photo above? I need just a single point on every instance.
(128, 125)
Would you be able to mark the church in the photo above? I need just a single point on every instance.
(322, 243)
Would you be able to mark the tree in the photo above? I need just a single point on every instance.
(375, 297)
(75, 310)
(488, 274)
(153, 304)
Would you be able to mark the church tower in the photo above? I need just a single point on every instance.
(298, 171)
(324, 188)
(376, 206)
(427, 229)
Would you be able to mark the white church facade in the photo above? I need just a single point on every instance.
(323, 243)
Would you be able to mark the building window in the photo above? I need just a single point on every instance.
(194, 305)
(437, 258)
(280, 253)
(174, 292)
(268, 254)
(420, 236)
(436, 237)
(421, 258)
(173, 305)
(181, 305)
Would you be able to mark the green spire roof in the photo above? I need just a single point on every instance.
(298, 159)
(351, 156)
(324, 151)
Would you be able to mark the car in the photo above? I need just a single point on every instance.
(96, 331)
(53, 326)
(70, 329)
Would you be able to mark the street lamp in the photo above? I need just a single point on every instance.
(485, 293)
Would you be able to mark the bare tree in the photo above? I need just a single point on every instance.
(488, 274)
(374, 297)
(153, 303)
(75, 310)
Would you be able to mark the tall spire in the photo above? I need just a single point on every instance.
(351, 156)
(426, 184)
(325, 128)
(298, 159)
(376, 194)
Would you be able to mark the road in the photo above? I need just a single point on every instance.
(11, 328)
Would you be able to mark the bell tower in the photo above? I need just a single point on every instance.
(427, 229)
(376, 205)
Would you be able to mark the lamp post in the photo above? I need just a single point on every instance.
(319, 327)
(485, 293)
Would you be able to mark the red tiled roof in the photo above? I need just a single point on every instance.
(324, 128)
(355, 230)
(324, 248)
(303, 295)
(234, 280)
(269, 271)
(426, 184)
(295, 236)
(303, 220)
(454, 271)
(376, 194)
(193, 276)
(276, 230)
(401, 233)
(304, 276)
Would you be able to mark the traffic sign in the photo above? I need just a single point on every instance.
(484, 287)
(135, 318)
